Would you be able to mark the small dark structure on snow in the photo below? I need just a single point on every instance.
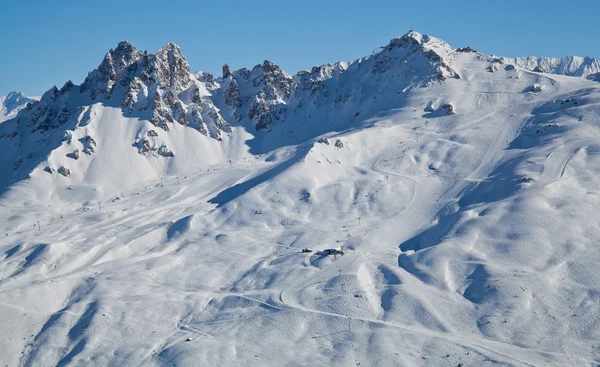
(330, 252)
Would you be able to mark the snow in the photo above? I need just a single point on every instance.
(570, 65)
(468, 238)
(12, 103)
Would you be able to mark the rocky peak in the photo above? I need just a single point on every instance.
(123, 56)
(419, 49)
(172, 69)
(226, 71)
(274, 83)
(67, 87)
(51, 95)
(15, 99)
(270, 67)
(12, 104)
(115, 63)
(410, 39)
(138, 73)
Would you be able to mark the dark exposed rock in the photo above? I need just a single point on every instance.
(64, 171)
(197, 120)
(101, 81)
(195, 95)
(448, 108)
(493, 68)
(68, 137)
(232, 95)
(171, 68)
(67, 87)
(331, 252)
(226, 71)
(164, 151)
(465, 49)
(144, 146)
(49, 169)
(44, 117)
(89, 145)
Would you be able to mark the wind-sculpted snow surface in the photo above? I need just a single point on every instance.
(423, 206)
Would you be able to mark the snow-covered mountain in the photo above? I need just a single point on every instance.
(12, 103)
(424, 205)
(570, 65)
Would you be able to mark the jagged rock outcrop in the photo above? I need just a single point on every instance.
(115, 66)
(164, 151)
(159, 88)
(448, 109)
(272, 87)
(143, 146)
(89, 145)
(64, 171)
(171, 68)
(226, 71)
(260, 95)
(233, 98)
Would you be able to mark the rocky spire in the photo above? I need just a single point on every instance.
(101, 81)
(226, 71)
(232, 95)
(172, 69)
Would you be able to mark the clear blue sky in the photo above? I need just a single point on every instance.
(43, 43)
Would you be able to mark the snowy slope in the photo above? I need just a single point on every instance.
(570, 65)
(12, 103)
(461, 189)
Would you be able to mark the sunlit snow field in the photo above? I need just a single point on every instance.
(470, 238)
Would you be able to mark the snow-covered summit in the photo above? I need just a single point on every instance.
(153, 216)
(569, 65)
(12, 103)
(276, 107)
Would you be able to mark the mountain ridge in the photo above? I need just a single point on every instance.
(12, 103)
(160, 88)
(421, 206)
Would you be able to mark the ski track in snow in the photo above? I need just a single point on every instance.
(468, 238)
